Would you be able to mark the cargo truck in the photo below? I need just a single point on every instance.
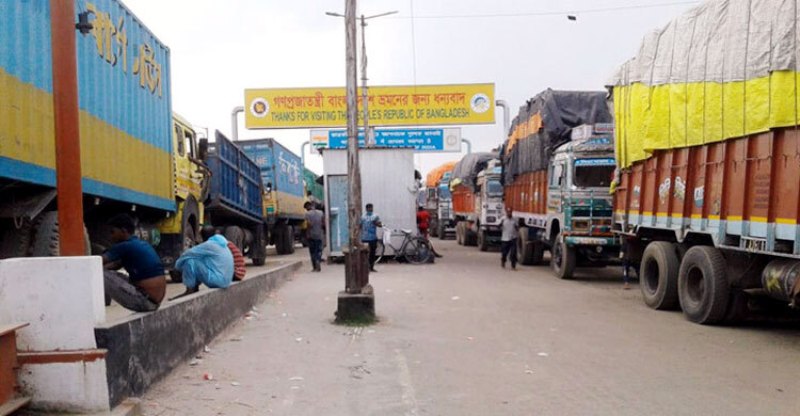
(707, 194)
(477, 200)
(438, 201)
(135, 157)
(234, 205)
(557, 171)
(282, 176)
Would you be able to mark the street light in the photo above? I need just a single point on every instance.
(369, 139)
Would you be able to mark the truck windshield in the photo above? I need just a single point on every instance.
(593, 173)
(444, 192)
(493, 188)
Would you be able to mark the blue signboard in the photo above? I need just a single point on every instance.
(425, 140)
(594, 162)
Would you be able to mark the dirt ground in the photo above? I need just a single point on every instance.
(465, 337)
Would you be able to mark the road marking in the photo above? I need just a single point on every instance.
(404, 378)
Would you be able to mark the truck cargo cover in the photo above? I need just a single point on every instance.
(467, 169)
(435, 175)
(724, 69)
(544, 123)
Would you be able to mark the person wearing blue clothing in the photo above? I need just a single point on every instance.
(369, 233)
(145, 285)
(209, 263)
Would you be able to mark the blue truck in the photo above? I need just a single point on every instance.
(234, 204)
(282, 177)
(137, 156)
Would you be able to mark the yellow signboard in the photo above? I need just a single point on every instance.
(388, 106)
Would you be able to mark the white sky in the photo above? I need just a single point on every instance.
(220, 48)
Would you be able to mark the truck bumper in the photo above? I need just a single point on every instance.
(591, 241)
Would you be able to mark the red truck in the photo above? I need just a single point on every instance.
(707, 194)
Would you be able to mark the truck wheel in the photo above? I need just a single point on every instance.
(441, 231)
(658, 275)
(46, 238)
(15, 242)
(524, 248)
(434, 228)
(703, 289)
(563, 261)
(289, 240)
(235, 235)
(470, 237)
(459, 234)
(279, 238)
(483, 241)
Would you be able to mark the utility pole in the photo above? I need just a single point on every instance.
(368, 142)
(356, 267)
(67, 132)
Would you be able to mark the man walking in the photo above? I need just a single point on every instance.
(315, 232)
(509, 240)
(369, 233)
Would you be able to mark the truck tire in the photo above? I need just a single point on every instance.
(284, 239)
(434, 227)
(46, 237)
(524, 248)
(703, 288)
(658, 275)
(290, 240)
(483, 241)
(235, 235)
(441, 231)
(470, 237)
(15, 242)
(564, 259)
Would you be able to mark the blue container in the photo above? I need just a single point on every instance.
(282, 175)
(124, 99)
(235, 182)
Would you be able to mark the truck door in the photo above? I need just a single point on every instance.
(557, 176)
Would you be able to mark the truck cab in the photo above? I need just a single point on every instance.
(444, 207)
(579, 206)
(489, 209)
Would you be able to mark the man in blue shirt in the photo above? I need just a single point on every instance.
(369, 233)
(143, 289)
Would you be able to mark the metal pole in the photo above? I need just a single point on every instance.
(235, 123)
(303, 153)
(506, 122)
(67, 132)
(356, 274)
(364, 94)
(469, 145)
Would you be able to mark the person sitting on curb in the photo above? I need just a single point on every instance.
(209, 263)
(239, 263)
(145, 286)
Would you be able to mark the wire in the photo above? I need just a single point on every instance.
(554, 13)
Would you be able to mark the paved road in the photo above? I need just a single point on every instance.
(464, 337)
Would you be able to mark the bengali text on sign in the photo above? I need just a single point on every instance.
(387, 106)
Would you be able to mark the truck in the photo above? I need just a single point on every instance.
(438, 201)
(136, 158)
(706, 196)
(557, 167)
(477, 200)
(234, 205)
(314, 191)
(282, 177)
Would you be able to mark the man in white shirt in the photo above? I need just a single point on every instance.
(509, 240)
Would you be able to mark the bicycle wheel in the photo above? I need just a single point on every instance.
(418, 251)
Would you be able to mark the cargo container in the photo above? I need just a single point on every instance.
(438, 201)
(707, 194)
(314, 190)
(556, 173)
(235, 204)
(477, 199)
(282, 176)
(134, 157)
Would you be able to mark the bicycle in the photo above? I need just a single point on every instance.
(414, 249)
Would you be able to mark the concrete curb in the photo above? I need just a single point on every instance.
(145, 347)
